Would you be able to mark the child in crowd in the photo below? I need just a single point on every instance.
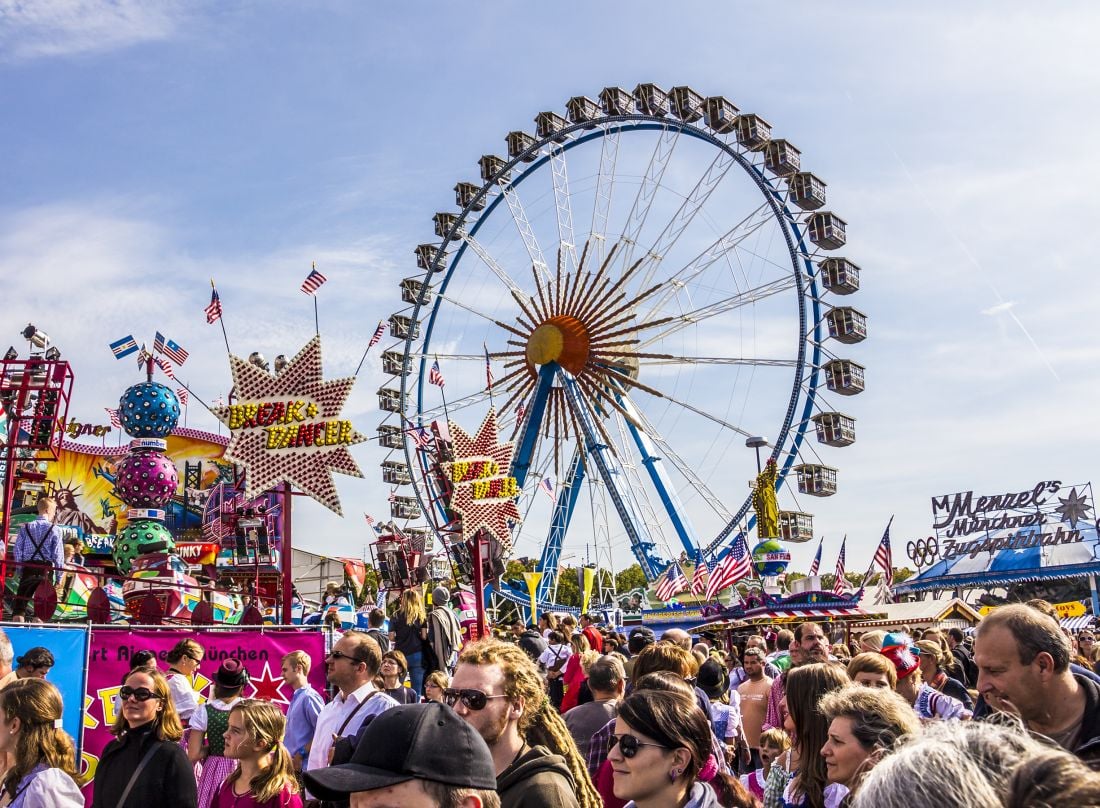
(264, 777)
(773, 743)
(209, 722)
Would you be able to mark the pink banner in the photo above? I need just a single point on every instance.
(261, 651)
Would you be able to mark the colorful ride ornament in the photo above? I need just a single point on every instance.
(148, 410)
(138, 538)
(146, 480)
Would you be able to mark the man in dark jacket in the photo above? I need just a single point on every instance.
(1023, 667)
(498, 691)
(529, 640)
(967, 668)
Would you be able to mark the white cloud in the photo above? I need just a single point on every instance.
(1000, 308)
(45, 28)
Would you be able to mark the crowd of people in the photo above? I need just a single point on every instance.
(570, 714)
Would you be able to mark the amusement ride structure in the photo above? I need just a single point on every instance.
(638, 287)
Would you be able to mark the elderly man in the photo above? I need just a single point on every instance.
(351, 667)
(415, 756)
(1023, 668)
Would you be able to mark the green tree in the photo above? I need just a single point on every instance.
(903, 574)
(630, 578)
(569, 590)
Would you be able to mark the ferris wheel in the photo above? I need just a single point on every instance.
(650, 282)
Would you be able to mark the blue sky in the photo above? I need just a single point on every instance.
(150, 146)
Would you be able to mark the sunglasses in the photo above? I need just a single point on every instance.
(471, 699)
(139, 693)
(341, 655)
(1086, 639)
(628, 745)
(196, 660)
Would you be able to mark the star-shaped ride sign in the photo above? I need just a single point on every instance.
(483, 493)
(286, 427)
(1074, 508)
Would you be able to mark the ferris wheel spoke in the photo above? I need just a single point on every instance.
(466, 307)
(523, 224)
(678, 322)
(678, 280)
(605, 185)
(563, 205)
(490, 262)
(687, 212)
(647, 191)
(658, 359)
(453, 406)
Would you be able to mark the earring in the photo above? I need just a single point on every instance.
(672, 775)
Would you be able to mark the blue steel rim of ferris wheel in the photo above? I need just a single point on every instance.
(800, 259)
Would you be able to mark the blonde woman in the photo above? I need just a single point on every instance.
(43, 759)
(264, 777)
(434, 685)
(408, 631)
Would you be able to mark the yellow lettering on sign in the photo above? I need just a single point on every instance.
(480, 489)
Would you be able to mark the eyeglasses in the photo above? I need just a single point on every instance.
(628, 745)
(195, 659)
(139, 693)
(341, 655)
(432, 685)
(471, 699)
(1086, 639)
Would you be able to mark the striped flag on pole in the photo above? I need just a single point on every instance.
(488, 368)
(214, 309)
(182, 395)
(840, 584)
(521, 410)
(378, 332)
(547, 487)
(884, 558)
(393, 495)
(698, 577)
(435, 376)
(731, 569)
(113, 415)
(313, 281)
(814, 567)
(369, 518)
(673, 584)
(420, 436)
(124, 347)
(170, 349)
(166, 366)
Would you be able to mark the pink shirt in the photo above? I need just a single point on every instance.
(227, 799)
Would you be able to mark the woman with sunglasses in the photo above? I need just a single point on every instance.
(183, 663)
(661, 745)
(392, 673)
(145, 765)
(42, 758)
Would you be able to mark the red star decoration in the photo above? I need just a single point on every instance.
(309, 468)
(492, 515)
(268, 687)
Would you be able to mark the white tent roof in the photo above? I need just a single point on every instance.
(920, 611)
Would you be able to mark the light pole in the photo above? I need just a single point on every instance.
(756, 443)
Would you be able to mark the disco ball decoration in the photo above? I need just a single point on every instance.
(148, 410)
(770, 558)
(139, 537)
(146, 480)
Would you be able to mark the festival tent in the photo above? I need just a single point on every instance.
(981, 568)
(947, 611)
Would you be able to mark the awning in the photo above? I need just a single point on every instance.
(1077, 623)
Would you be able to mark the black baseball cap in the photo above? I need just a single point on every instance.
(410, 742)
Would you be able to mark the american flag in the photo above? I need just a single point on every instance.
(313, 281)
(181, 393)
(393, 495)
(166, 366)
(488, 368)
(143, 357)
(521, 410)
(839, 583)
(547, 487)
(170, 349)
(673, 583)
(698, 577)
(214, 310)
(814, 567)
(435, 376)
(113, 415)
(884, 558)
(378, 332)
(731, 569)
(421, 437)
(369, 518)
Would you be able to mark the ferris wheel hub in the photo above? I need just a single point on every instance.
(562, 339)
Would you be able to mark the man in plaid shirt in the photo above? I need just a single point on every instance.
(37, 548)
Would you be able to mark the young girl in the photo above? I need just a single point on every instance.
(210, 722)
(264, 777)
(42, 756)
(773, 743)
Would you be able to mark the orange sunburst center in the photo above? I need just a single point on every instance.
(562, 339)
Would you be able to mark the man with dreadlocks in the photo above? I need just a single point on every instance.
(497, 690)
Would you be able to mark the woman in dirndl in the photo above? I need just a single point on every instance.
(206, 741)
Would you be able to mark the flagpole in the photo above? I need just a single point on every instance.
(370, 344)
(316, 319)
(443, 395)
(221, 321)
(488, 375)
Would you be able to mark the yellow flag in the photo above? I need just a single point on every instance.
(532, 579)
(589, 579)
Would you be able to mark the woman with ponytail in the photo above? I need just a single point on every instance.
(264, 777)
(43, 771)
